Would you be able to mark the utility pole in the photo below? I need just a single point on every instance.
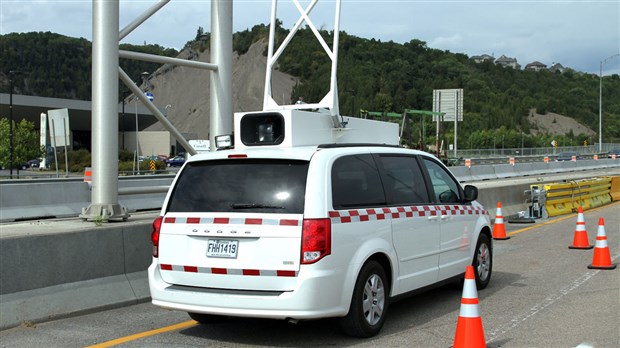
(11, 125)
(11, 83)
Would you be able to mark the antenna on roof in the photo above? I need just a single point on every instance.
(330, 100)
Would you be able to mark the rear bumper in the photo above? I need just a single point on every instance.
(317, 294)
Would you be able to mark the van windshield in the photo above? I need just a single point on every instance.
(241, 185)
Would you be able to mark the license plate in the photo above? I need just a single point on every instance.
(222, 248)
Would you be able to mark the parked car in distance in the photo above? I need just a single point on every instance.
(568, 156)
(176, 161)
(20, 166)
(34, 163)
(613, 152)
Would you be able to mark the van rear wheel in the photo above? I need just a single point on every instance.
(369, 303)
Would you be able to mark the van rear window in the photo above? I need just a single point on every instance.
(241, 185)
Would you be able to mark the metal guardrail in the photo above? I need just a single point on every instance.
(539, 152)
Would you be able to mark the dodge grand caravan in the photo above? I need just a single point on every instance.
(312, 231)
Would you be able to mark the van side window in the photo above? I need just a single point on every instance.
(404, 180)
(356, 183)
(446, 189)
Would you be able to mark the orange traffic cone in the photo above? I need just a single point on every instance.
(469, 330)
(499, 231)
(580, 239)
(602, 256)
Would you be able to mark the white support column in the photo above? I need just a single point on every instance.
(104, 198)
(221, 121)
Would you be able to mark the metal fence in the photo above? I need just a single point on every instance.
(534, 151)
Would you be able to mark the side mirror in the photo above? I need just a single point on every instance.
(471, 193)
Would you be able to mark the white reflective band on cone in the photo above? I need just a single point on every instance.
(469, 289)
(601, 243)
(469, 311)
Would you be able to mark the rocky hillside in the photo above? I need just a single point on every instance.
(187, 90)
(556, 124)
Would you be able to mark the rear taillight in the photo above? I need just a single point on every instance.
(155, 235)
(316, 240)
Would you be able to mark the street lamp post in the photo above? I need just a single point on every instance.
(600, 102)
(11, 86)
(137, 140)
(11, 124)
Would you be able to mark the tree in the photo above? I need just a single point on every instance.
(25, 143)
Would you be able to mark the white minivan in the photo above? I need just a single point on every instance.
(271, 229)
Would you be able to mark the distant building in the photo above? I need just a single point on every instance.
(557, 67)
(507, 62)
(482, 58)
(536, 66)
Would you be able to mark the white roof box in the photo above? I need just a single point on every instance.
(290, 128)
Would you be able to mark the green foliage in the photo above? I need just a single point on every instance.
(372, 75)
(25, 143)
(126, 166)
(78, 160)
(125, 156)
(57, 66)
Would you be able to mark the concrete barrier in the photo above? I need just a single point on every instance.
(462, 173)
(57, 198)
(56, 268)
(480, 173)
(540, 168)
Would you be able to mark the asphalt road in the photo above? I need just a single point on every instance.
(541, 295)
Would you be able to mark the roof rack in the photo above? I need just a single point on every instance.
(339, 145)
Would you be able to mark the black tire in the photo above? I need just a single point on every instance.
(483, 261)
(369, 303)
(206, 318)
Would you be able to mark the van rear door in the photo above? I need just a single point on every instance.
(235, 224)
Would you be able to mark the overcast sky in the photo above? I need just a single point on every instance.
(577, 34)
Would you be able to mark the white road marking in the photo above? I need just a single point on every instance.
(517, 320)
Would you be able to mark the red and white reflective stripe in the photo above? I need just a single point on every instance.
(228, 271)
(232, 221)
(372, 214)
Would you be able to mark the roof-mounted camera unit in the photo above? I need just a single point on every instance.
(290, 128)
(262, 129)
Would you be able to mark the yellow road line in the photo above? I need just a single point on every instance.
(134, 337)
(557, 220)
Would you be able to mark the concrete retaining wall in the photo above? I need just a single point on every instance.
(56, 268)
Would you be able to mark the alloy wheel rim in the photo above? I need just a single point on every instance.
(373, 301)
(484, 262)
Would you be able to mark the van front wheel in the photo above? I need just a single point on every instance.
(483, 261)
(369, 303)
